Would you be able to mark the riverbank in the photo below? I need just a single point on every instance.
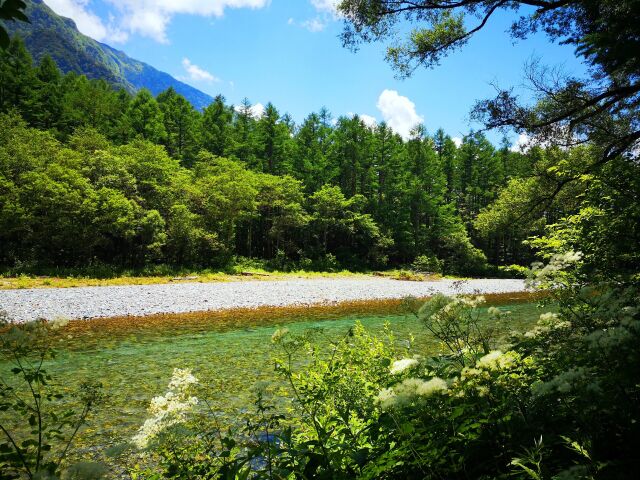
(142, 300)
(237, 274)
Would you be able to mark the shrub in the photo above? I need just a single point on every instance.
(427, 264)
(513, 271)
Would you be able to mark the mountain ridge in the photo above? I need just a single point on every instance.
(57, 36)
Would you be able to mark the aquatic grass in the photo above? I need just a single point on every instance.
(84, 333)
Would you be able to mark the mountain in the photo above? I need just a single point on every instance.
(49, 33)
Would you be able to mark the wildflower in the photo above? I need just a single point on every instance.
(182, 379)
(408, 387)
(561, 383)
(469, 373)
(496, 360)
(490, 360)
(169, 409)
(386, 398)
(572, 257)
(475, 301)
(557, 263)
(400, 366)
(433, 386)
(409, 390)
(548, 318)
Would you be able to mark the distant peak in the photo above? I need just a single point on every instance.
(81, 54)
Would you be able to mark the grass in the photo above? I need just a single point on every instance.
(10, 281)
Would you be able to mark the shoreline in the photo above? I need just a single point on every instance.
(145, 300)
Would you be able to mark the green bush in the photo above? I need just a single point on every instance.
(427, 264)
(513, 271)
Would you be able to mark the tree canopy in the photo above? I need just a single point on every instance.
(197, 188)
(10, 10)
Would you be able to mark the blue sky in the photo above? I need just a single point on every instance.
(287, 52)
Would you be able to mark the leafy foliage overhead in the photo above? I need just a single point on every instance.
(10, 10)
(601, 109)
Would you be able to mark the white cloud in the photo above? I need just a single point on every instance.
(257, 110)
(327, 11)
(399, 112)
(149, 18)
(314, 25)
(196, 73)
(326, 6)
(87, 21)
(368, 120)
(457, 141)
(291, 21)
(523, 143)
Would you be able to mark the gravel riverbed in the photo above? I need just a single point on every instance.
(139, 300)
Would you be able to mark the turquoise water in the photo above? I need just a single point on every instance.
(135, 365)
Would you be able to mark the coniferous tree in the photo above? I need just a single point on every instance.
(275, 137)
(17, 78)
(350, 156)
(395, 193)
(145, 118)
(446, 150)
(244, 136)
(390, 183)
(47, 104)
(216, 127)
(480, 174)
(90, 103)
(309, 162)
(181, 125)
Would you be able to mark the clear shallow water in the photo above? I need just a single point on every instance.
(134, 358)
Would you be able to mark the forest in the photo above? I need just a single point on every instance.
(94, 176)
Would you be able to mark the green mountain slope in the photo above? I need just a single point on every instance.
(49, 33)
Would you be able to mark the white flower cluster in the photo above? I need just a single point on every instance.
(463, 301)
(168, 410)
(494, 368)
(548, 322)
(410, 390)
(492, 361)
(496, 360)
(400, 366)
(557, 263)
